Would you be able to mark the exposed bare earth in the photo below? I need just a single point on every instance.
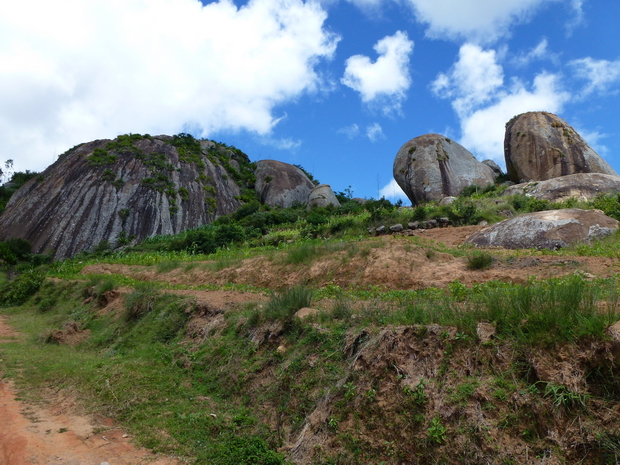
(392, 262)
(59, 434)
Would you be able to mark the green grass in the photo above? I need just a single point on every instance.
(143, 371)
(134, 373)
(479, 260)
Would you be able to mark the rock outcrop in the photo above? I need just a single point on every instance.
(497, 171)
(431, 167)
(581, 186)
(131, 187)
(322, 196)
(279, 184)
(552, 229)
(540, 146)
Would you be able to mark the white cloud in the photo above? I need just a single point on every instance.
(375, 132)
(351, 131)
(539, 52)
(484, 107)
(600, 74)
(483, 129)
(577, 19)
(479, 21)
(392, 191)
(594, 140)
(73, 71)
(386, 81)
(287, 143)
(472, 80)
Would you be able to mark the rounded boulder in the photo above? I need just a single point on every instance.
(280, 184)
(551, 229)
(540, 146)
(431, 167)
(322, 196)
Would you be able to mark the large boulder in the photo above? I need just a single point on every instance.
(540, 146)
(581, 186)
(552, 229)
(322, 196)
(279, 184)
(131, 187)
(431, 167)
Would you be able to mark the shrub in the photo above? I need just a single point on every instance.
(21, 288)
(609, 204)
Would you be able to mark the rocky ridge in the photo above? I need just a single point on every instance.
(130, 188)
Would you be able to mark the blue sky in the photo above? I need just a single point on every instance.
(336, 86)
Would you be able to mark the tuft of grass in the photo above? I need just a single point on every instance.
(168, 265)
(141, 301)
(303, 253)
(284, 304)
(480, 260)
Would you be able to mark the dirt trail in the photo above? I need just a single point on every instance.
(54, 435)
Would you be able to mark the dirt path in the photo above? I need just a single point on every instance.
(54, 435)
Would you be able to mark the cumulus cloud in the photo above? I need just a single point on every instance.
(479, 21)
(392, 191)
(483, 129)
(375, 132)
(74, 71)
(484, 108)
(473, 79)
(385, 82)
(601, 75)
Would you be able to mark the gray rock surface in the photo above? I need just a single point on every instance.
(581, 186)
(95, 193)
(552, 229)
(447, 200)
(540, 146)
(280, 184)
(431, 167)
(497, 171)
(322, 196)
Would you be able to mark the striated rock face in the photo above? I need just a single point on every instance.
(552, 229)
(540, 146)
(134, 186)
(279, 184)
(581, 186)
(322, 196)
(431, 167)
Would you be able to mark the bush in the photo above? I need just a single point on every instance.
(21, 288)
(609, 204)
(243, 451)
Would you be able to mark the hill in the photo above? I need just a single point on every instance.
(308, 341)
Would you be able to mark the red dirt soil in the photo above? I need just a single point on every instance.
(57, 435)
